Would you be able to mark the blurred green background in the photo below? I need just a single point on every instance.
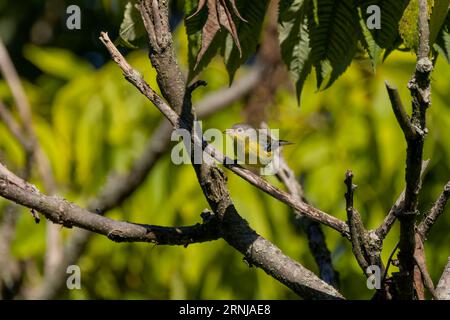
(90, 121)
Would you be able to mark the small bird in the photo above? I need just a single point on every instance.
(253, 147)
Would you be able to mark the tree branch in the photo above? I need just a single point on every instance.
(400, 113)
(119, 187)
(420, 89)
(433, 214)
(133, 77)
(357, 232)
(61, 211)
(257, 250)
(213, 182)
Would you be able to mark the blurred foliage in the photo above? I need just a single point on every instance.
(91, 121)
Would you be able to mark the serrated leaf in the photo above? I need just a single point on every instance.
(294, 41)
(219, 15)
(248, 29)
(368, 41)
(334, 39)
(193, 30)
(131, 27)
(391, 14)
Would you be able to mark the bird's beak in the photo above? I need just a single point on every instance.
(228, 131)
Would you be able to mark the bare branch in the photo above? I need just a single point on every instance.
(257, 250)
(133, 77)
(400, 113)
(357, 232)
(436, 210)
(118, 188)
(236, 231)
(61, 211)
(169, 76)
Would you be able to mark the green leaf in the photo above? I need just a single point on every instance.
(443, 39)
(391, 14)
(333, 39)
(131, 27)
(294, 41)
(248, 31)
(381, 42)
(437, 18)
(368, 41)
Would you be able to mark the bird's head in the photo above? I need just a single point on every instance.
(238, 130)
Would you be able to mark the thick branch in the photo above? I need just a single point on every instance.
(257, 250)
(155, 15)
(61, 211)
(420, 89)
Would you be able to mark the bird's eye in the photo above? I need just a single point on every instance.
(240, 130)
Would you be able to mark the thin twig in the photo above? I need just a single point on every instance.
(433, 214)
(357, 232)
(400, 113)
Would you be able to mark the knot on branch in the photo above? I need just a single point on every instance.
(116, 235)
(60, 217)
(207, 216)
(424, 66)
